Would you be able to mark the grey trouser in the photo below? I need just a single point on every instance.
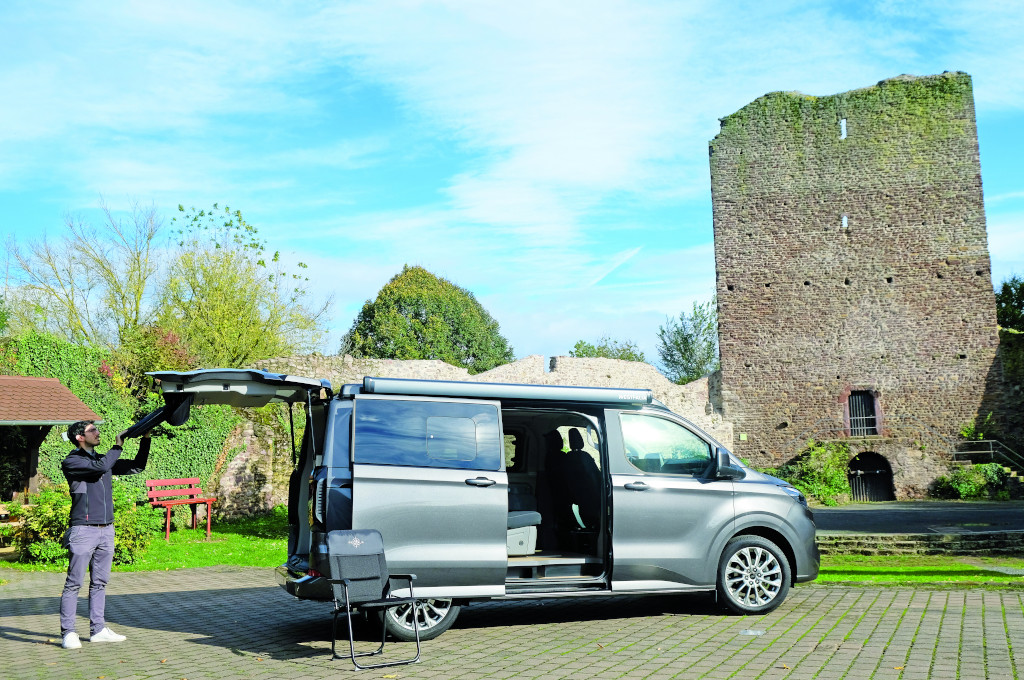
(92, 547)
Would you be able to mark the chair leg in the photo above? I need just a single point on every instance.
(209, 515)
(167, 527)
(380, 650)
(334, 633)
(351, 639)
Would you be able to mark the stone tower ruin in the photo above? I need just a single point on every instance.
(853, 279)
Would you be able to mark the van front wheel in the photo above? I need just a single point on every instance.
(435, 616)
(753, 575)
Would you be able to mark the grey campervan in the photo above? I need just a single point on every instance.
(506, 491)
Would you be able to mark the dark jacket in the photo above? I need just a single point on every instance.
(88, 475)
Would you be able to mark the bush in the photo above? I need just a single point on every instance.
(608, 348)
(986, 480)
(976, 430)
(820, 472)
(45, 519)
(42, 524)
(134, 524)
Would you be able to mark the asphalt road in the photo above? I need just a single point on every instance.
(921, 517)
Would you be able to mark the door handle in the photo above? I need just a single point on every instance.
(481, 481)
(636, 486)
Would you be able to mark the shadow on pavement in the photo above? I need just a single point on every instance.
(265, 621)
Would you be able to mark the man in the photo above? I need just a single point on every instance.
(91, 532)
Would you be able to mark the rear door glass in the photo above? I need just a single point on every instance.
(428, 434)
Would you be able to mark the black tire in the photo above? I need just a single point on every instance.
(753, 575)
(436, 615)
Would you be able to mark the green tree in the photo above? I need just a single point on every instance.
(4, 316)
(1010, 304)
(608, 348)
(688, 347)
(147, 348)
(418, 315)
(229, 300)
(93, 285)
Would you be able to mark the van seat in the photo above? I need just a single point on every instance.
(523, 520)
(520, 518)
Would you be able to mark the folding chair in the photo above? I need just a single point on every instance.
(360, 579)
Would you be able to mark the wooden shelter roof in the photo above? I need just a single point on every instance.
(40, 401)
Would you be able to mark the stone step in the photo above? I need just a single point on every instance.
(967, 543)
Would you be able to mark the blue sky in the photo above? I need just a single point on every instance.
(550, 157)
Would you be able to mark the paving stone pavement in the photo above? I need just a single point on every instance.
(229, 622)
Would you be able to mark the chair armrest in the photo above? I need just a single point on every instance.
(347, 582)
(407, 577)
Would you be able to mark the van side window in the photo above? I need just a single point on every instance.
(427, 434)
(657, 445)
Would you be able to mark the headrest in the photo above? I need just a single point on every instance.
(575, 440)
(553, 441)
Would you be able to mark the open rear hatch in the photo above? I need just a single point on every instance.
(251, 389)
(238, 388)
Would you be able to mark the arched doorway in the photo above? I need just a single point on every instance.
(870, 478)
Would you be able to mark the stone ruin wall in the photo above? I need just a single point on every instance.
(851, 254)
(257, 477)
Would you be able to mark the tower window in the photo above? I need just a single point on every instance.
(862, 412)
(842, 129)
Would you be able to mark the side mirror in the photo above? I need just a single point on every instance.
(724, 469)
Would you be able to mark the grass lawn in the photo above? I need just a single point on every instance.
(252, 542)
(917, 570)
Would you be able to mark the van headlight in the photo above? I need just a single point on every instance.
(795, 494)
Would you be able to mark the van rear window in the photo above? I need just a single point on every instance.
(427, 434)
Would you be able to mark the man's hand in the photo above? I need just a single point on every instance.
(119, 440)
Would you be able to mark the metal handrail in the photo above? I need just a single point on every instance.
(992, 449)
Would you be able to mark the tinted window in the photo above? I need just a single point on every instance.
(428, 434)
(657, 445)
(451, 438)
(336, 453)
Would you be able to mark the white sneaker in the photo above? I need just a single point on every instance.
(106, 636)
(71, 641)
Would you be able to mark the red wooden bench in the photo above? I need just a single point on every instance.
(167, 498)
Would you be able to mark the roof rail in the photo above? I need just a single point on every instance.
(489, 390)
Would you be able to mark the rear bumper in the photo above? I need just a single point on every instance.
(303, 586)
